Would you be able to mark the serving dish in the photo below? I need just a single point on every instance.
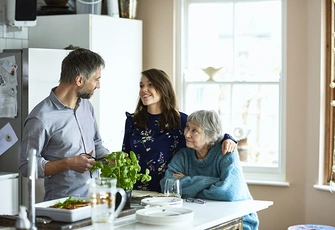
(165, 216)
(163, 201)
(63, 215)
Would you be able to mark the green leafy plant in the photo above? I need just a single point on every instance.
(124, 168)
(71, 203)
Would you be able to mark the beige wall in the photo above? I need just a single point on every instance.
(300, 202)
(157, 17)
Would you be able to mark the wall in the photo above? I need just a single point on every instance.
(11, 40)
(300, 202)
(157, 17)
(17, 39)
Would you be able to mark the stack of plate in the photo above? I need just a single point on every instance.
(163, 201)
(165, 216)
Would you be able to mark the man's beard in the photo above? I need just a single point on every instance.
(84, 94)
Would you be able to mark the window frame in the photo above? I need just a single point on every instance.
(252, 174)
(330, 92)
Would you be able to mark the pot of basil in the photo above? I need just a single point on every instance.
(125, 168)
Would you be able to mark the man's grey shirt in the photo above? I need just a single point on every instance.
(57, 131)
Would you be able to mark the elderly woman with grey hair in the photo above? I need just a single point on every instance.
(203, 171)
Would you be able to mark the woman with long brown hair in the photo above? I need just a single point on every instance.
(155, 131)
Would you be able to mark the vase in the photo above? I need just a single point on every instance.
(128, 8)
(128, 199)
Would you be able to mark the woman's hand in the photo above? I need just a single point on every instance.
(178, 175)
(228, 146)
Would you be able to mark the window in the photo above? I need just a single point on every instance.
(231, 61)
(330, 94)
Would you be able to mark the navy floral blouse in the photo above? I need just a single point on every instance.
(153, 147)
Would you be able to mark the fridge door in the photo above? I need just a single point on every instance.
(44, 73)
(9, 159)
(38, 70)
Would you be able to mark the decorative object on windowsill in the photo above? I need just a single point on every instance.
(128, 8)
(125, 169)
(211, 72)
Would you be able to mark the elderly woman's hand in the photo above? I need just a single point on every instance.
(178, 175)
(228, 146)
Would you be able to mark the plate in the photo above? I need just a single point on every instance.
(165, 216)
(63, 215)
(140, 193)
(163, 201)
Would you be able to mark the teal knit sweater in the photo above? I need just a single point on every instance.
(217, 177)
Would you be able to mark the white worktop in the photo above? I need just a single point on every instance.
(205, 216)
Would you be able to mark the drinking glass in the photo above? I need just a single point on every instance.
(172, 188)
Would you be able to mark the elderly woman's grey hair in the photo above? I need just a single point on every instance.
(209, 121)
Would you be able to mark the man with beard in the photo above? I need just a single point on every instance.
(63, 129)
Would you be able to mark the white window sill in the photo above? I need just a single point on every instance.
(270, 183)
(326, 188)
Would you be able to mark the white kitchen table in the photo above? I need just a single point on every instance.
(207, 215)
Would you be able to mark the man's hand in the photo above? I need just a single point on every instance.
(228, 146)
(80, 163)
(83, 162)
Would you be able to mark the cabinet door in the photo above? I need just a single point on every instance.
(10, 196)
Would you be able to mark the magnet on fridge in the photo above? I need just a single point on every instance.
(10, 66)
(14, 67)
(2, 80)
(8, 138)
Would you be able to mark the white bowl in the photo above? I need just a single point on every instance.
(63, 215)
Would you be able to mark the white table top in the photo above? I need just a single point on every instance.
(205, 216)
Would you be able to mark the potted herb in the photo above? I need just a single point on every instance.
(124, 168)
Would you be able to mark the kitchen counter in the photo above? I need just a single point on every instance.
(211, 214)
(206, 216)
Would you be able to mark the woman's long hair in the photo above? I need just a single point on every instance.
(170, 117)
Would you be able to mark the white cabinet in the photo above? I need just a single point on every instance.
(119, 42)
(9, 184)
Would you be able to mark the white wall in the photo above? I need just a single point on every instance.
(300, 202)
(11, 40)
(17, 39)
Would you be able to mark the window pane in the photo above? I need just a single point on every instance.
(252, 118)
(233, 53)
(243, 39)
